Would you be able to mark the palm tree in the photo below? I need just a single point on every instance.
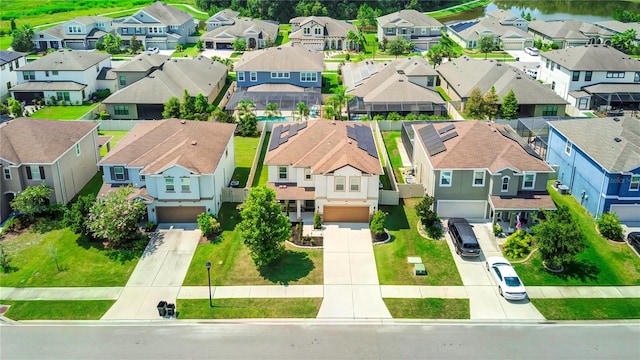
(303, 110)
(352, 39)
(339, 99)
(329, 112)
(245, 107)
(272, 110)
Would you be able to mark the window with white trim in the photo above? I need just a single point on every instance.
(445, 178)
(505, 184)
(567, 147)
(121, 109)
(354, 183)
(169, 186)
(282, 173)
(240, 75)
(309, 76)
(317, 31)
(279, 75)
(118, 173)
(615, 74)
(528, 181)
(339, 183)
(306, 31)
(478, 177)
(7, 173)
(307, 174)
(28, 75)
(253, 76)
(635, 183)
(185, 184)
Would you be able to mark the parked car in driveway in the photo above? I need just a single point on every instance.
(532, 51)
(463, 238)
(509, 284)
(634, 240)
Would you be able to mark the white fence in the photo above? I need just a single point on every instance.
(236, 195)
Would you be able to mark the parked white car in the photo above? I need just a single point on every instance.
(532, 51)
(509, 284)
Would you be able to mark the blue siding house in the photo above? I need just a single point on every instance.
(599, 161)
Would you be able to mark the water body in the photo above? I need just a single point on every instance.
(585, 10)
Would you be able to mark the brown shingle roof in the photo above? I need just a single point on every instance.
(26, 140)
(525, 200)
(324, 147)
(289, 191)
(156, 145)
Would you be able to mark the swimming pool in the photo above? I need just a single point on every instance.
(274, 118)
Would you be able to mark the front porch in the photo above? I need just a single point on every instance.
(520, 211)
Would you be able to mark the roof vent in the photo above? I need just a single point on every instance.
(183, 122)
(617, 139)
(498, 64)
(616, 119)
(194, 143)
(348, 141)
(333, 122)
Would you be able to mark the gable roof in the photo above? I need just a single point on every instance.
(156, 145)
(465, 74)
(408, 17)
(369, 74)
(281, 58)
(469, 150)
(596, 137)
(9, 56)
(503, 15)
(165, 14)
(592, 58)
(243, 25)
(473, 30)
(333, 27)
(324, 147)
(28, 140)
(142, 63)
(66, 60)
(88, 20)
(566, 29)
(619, 27)
(223, 16)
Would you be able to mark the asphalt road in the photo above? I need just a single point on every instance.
(291, 340)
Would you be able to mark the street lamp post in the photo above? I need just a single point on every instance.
(209, 277)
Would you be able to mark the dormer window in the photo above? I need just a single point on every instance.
(529, 181)
(505, 184)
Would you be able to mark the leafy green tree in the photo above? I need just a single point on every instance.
(115, 218)
(247, 118)
(264, 227)
(201, 107)
(13, 24)
(377, 225)
(4, 109)
(491, 99)
(135, 45)
(76, 217)
(559, 237)
(486, 45)
(339, 99)
(352, 39)
(208, 224)
(33, 200)
(624, 41)
(171, 108)
(200, 45)
(303, 110)
(398, 46)
(317, 221)
(112, 43)
(240, 45)
(15, 107)
(367, 16)
(222, 116)
(186, 106)
(610, 227)
(21, 39)
(509, 106)
(474, 107)
(436, 54)
(424, 211)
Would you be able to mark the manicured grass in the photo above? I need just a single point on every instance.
(391, 258)
(494, 55)
(588, 309)
(602, 263)
(248, 308)
(57, 309)
(428, 308)
(443, 93)
(232, 265)
(391, 143)
(231, 78)
(283, 34)
(329, 82)
(246, 148)
(69, 112)
(93, 186)
(83, 262)
(458, 9)
(5, 42)
(190, 50)
(262, 172)
(117, 136)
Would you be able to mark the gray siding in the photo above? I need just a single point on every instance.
(461, 187)
(264, 77)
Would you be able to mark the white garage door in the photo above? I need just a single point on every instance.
(629, 213)
(466, 209)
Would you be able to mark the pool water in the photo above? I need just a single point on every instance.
(275, 118)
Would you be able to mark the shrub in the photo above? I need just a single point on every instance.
(75, 218)
(101, 94)
(518, 245)
(11, 225)
(497, 230)
(317, 221)
(435, 231)
(149, 225)
(428, 217)
(377, 223)
(204, 223)
(609, 226)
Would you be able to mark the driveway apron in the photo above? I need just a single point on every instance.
(351, 287)
(158, 275)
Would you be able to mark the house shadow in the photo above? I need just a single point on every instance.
(396, 217)
(291, 266)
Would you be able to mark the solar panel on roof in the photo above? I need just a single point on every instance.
(448, 136)
(302, 125)
(275, 138)
(351, 133)
(436, 149)
(293, 130)
(515, 137)
(446, 128)
(283, 140)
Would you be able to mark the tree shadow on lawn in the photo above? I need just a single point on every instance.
(396, 217)
(117, 255)
(289, 267)
(583, 270)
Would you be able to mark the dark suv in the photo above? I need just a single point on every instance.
(463, 237)
(634, 240)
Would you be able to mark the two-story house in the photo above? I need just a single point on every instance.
(618, 27)
(257, 34)
(321, 33)
(221, 18)
(506, 17)
(328, 167)
(61, 154)
(80, 33)
(285, 75)
(468, 34)
(177, 167)
(460, 76)
(480, 170)
(138, 68)
(9, 62)
(569, 33)
(145, 98)
(405, 86)
(422, 30)
(598, 162)
(157, 25)
(592, 77)
(67, 76)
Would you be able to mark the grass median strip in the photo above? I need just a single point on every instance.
(588, 309)
(430, 308)
(57, 309)
(263, 308)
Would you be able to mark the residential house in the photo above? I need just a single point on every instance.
(422, 30)
(592, 77)
(178, 168)
(79, 33)
(67, 76)
(505, 35)
(508, 18)
(569, 33)
(480, 170)
(285, 75)
(618, 27)
(405, 86)
(221, 18)
(145, 98)
(158, 25)
(460, 76)
(9, 62)
(257, 34)
(138, 68)
(328, 167)
(61, 154)
(598, 163)
(321, 33)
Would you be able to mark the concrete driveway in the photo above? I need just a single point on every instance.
(484, 300)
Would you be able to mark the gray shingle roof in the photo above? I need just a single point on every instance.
(566, 29)
(596, 137)
(243, 25)
(142, 63)
(281, 58)
(620, 27)
(592, 58)
(66, 60)
(413, 17)
(334, 28)
(9, 56)
(223, 15)
(87, 20)
(166, 14)
(492, 25)
(49, 86)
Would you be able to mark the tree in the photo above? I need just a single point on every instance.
(303, 110)
(115, 218)
(264, 227)
(240, 45)
(112, 43)
(179, 48)
(135, 45)
(247, 118)
(559, 237)
(201, 108)
(200, 45)
(33, 200)
(272, 111)
(398, 46)
(222, 116)
(474, 106)
(427, 216)
(208, 224)
(21, 40)
(486, 45)
(75, 218)
(377, 225)
(609, 227)
(186, 106)
(339, 99)
(509, 106)
(491, 99)
(624, 41)
(13, 25)
(435, 55)
(352, 39)
(171, 108)
(15, 107)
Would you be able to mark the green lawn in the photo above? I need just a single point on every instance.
(231, 78)
(498, 55)
(458, 9)
(232, 265)
(262, 172)
(602, 263)
(189, 50)
(329, 82)
(83, 262)
(391, 143)
(391, 258)
(92, 187)
(57, 310)
(443, 93)
(588, 309)
(248, 308)
(283, 34)
(246, 148)
(5, 42)
(117, 136)
(74, 112)
(428, 308)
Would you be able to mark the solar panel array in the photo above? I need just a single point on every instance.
(281, 133)
(363, 136)
(515, 137)
(446, 128)
(449, 135)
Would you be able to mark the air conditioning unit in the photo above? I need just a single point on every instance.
(563, 189)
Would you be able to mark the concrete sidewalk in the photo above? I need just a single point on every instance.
(61, 293)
